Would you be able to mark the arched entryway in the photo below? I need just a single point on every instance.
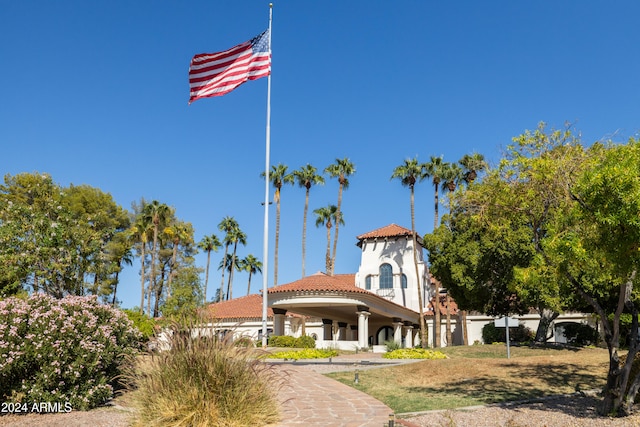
(385, 333)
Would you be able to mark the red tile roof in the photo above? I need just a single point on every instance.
(248, 307)
(391, 230)
(322, 282)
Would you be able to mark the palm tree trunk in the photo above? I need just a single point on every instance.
(435, 208)
(233, 267)
(142, 278)
(153, 280)
(249, 284)
(206, 276)
(449, 337)
(115, 285)
(327, 258)
(423, 332)
(304, 230)
(172, 271)
(224, 267)
(465, 332)
(335, 236)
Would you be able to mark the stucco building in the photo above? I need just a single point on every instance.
(378, 303)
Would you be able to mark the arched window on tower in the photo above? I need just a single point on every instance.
(404, 281)
(367, 282)
(386, 276)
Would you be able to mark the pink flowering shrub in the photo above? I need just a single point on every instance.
(62, 350)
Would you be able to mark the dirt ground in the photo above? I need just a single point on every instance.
(556, 412)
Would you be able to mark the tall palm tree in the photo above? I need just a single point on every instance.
(452, 175)
(225, 265)
(227, 225)
(341, 169)
(325, 216)
(433, 169)
(306, 176)
(235, 236)
(208, 244)
(409, 173)
(252, 265)
(472, 164)
(120, 250)
(157, 213)
(139, 232)
(179, 233)
(278, 177)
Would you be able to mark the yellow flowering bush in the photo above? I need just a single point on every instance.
(307, 353)
(414, 353)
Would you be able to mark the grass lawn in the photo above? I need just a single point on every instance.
(478, 375)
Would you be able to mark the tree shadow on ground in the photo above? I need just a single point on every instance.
(533, 383)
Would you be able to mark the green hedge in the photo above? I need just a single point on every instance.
(287, 341)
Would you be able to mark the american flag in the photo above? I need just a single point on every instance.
(215, 74)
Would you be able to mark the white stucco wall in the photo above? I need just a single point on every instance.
(397, 252)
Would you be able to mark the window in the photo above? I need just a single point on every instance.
(404, 281)
(367, 282)
(386, 276)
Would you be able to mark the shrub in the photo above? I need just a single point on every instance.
(145, 324)
(491, 334)
(282, 341)
(307, 353)
(391, 345)
(305, 341)
(414, 353)
(203, 382)
(68, 350)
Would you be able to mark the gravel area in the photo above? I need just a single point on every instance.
(565, 411)
(100, 417)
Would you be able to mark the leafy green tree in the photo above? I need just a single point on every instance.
(55, 239)
(278, 177)
(342, 169)
(599, 256)
(208, 244)
(556, 221)
(186, 294)
(327, 216)
(409, 173)
(306, 176)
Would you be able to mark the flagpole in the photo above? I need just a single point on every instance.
(265, 237)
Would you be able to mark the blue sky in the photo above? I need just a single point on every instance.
(96, 93)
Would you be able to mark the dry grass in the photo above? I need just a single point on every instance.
(203, 382)
(479, 375)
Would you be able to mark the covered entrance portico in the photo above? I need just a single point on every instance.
(352, 318)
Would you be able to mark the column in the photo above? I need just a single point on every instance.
(278, 321)
(408, 335)
(363, 329)
(397, 330)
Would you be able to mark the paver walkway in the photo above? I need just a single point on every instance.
(309, 398)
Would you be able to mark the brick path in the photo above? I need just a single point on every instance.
(309, 398)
